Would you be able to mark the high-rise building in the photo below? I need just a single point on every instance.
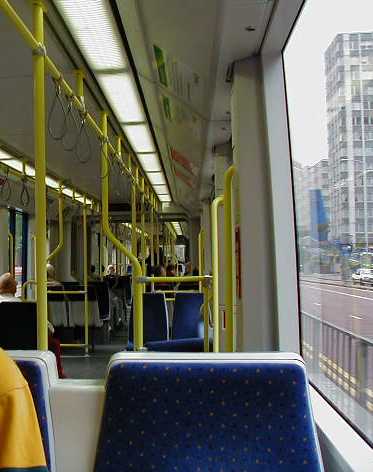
(349, 98)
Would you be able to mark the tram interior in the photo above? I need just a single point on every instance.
(138, 217)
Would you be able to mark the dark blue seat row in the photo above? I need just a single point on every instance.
(204, 412)
(185, 328)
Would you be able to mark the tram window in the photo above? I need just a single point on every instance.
(332, 212)
(18, 222)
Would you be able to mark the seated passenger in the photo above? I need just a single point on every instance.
(92, 275)
(8, 288)
(21, 447)
(51, 277)
(110, 270)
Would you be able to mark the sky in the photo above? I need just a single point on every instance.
(318, 24)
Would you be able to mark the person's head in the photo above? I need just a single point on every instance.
(51, 273)
(8, 284)
(170, 271)
(159, 271)
(188, 268)
(110, 269)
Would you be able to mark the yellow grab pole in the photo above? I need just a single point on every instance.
(137, 272)
(157, 239)
(85, 276)
(229, 258)
(11, 253)
(201, 249)
(40, 171)
(133, 217)
(152, 231)
(60, 228)
(101, 253)
(215, 270)
(142, 210)
(206, 344)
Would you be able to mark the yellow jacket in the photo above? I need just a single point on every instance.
(21, 448)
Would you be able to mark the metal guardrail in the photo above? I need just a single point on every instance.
(343, 357)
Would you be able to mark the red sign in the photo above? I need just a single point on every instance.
(183, 161)
(187, 181)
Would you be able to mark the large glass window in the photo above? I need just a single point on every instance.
(18, 222)
(323, 59)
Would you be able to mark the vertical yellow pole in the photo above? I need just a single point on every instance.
(85, 276)
(137, 272)
(206, 296)
(134, 215)
(157, 240)
(152, 230)
(215, 270)
(142, 210)
(229, 258)
(101, 255)
(205, 290)
(40, 170)
(201, 249)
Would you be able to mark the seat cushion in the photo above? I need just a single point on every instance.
(207, 415)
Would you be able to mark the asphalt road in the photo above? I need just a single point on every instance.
(348, 308)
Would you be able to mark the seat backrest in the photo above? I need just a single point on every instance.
(39, 369)
(187, 316)
(154, 316)
(203, 412)
(18, 325)
(102, 298)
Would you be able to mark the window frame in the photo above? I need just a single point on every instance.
(283, 21)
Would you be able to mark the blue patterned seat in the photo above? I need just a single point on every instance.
(205, 412)
(39, 369)
(154, 318)
(187, 315)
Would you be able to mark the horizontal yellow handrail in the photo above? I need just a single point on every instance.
(67, 292)
(74, 345)
(186, 278)
(177, 291)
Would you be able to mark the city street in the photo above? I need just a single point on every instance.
(348, 308)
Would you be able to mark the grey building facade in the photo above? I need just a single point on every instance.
(349, 98)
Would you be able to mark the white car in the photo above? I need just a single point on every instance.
(356, 277)
(366, 276)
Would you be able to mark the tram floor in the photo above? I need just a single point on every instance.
(77, 365)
